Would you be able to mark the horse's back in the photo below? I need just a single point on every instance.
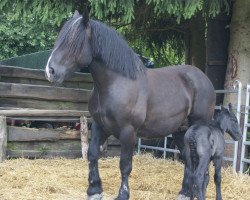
(204, 98)
(194, 81)
(174, 96)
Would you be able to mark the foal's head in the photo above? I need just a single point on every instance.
(228, 122)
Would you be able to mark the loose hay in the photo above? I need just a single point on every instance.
(64, 179)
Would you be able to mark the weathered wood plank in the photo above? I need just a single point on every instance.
(42, 104)
(13, 71)
(43, 92)
(40, 154)
(84, 136)
(36, 112)
(3, 138)
(44, 151)
(13, 108)
(67, 84)
(44, 146)
(217, 62)
(113, 141)
(51, 119)
(33, 134)
(113, 151)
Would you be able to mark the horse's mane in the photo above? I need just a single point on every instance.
(113, 50)
(107, 46)
(71, 37)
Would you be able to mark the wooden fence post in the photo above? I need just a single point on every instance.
(84, 136)
(3, 138)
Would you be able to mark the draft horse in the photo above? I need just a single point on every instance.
(128, 100)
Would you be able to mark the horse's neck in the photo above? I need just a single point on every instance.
(102, 76)
(218, 124)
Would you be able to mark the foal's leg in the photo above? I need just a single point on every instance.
(205, 183)
(127, 139)
(187, 189)
(217, 177)
(98, 137)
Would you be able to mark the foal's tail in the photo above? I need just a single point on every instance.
(193, 158)
(193, 148)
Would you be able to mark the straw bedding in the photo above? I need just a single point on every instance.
(65, 179)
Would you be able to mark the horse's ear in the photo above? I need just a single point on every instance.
(76, 14)
(230, 107)
(85, 15)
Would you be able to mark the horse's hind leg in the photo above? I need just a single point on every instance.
(205, 183)
(127, 139)
(98, 137)
(187, 183)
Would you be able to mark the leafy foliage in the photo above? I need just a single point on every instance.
(41, 10)
(149, 25)
(124, 10)
(18, 37)
(160, 38)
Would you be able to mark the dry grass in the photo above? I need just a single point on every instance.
(67, 180)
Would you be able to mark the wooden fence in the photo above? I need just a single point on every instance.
(25, 94)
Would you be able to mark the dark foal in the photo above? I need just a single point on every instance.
(204, 143)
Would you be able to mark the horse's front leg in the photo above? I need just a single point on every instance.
(98, 137)
(127, 139)
(217, 177)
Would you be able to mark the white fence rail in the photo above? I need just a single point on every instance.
(245, 142)
(236, 89)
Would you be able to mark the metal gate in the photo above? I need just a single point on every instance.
(245, 140)
(236, 89)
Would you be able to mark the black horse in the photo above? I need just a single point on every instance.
(204, 143)
(128, 100)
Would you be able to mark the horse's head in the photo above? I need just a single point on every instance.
(72, 49)
(229, 122)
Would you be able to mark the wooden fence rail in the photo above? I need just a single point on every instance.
(19, 139)
(25, 94)
(3, 138)
(27, 91)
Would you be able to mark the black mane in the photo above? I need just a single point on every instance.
(71, 37)
(112, 49)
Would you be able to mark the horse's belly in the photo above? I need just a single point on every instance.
(161, 128)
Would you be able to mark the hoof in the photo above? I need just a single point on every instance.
(182, 197)
(122, 197)
(95, 197)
